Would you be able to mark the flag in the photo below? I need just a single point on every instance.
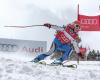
(89, 23)
(83, 51)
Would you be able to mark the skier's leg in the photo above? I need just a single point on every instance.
(66, 53)
(52, 49)
(58, 48)
(67, 50)
(42, 56)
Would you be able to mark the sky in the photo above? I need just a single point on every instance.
(31, 12)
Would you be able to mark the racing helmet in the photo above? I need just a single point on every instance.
(76, 26)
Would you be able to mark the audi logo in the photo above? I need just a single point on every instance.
(88, 21)
(8, 47)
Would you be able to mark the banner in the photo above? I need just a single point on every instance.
(22, 46)
(89, 23)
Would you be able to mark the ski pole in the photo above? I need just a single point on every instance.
(77, 59)
(24, 26)
(28, 26)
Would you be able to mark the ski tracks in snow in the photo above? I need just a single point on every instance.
(18, 70)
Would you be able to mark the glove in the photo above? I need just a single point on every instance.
(78, 39)
(47, 25)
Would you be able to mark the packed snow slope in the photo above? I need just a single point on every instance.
(19, 70)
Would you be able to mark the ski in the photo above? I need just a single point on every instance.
(70, 66)
(74, 66)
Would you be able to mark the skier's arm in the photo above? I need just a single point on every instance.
(76, 47)
(58, 28)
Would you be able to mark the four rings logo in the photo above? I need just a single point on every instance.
(8, 47)
(88, 21)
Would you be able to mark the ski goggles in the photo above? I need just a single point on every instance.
(77, 27)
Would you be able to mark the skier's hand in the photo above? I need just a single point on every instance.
(78, 39)
(47, 25)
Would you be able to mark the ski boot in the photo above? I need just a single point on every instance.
(36, 60)
(57, 62)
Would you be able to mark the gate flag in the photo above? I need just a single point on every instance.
(89, 23)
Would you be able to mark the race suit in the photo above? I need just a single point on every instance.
(62, 42)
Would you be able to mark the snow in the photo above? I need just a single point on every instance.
(16, 69)
(21, 12)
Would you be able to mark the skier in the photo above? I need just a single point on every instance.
(65, 37)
